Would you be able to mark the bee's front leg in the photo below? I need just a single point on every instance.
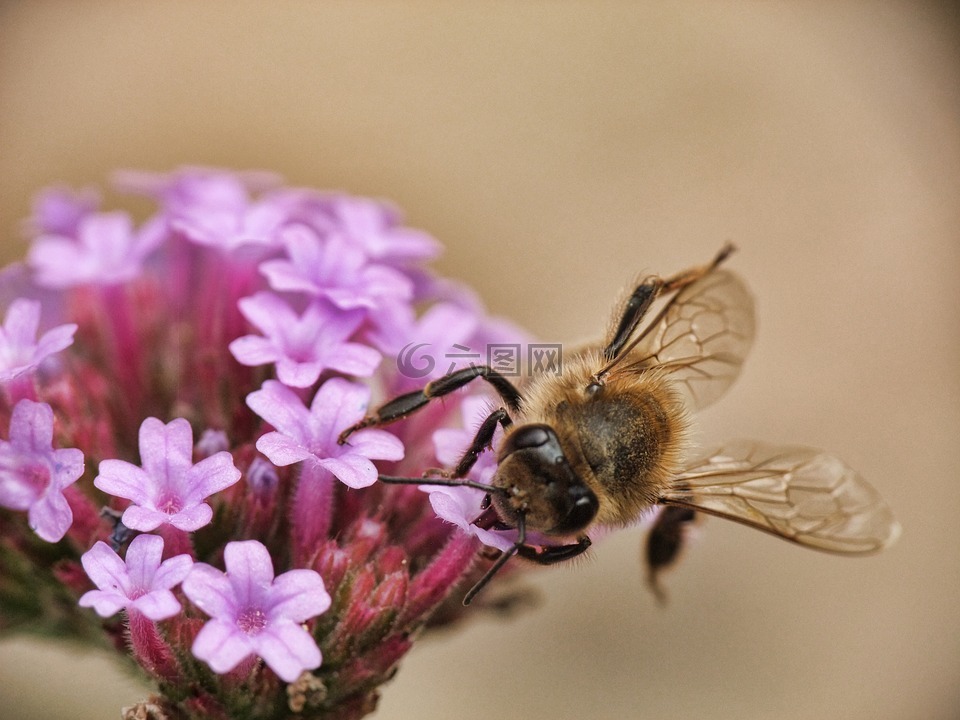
(410, 402)
(551, 554)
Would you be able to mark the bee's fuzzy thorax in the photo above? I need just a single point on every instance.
(626, 440)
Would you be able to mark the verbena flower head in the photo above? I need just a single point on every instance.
(171, 472)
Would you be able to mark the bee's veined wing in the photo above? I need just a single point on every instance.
(701, 337)
(797, 493)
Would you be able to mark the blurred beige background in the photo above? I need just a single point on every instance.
(557, 149)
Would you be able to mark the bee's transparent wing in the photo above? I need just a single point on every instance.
(800, 494)
(701, 337)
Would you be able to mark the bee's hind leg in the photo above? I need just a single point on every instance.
(665, 543)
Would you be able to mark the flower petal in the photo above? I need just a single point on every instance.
(281, 449)
(50, 517)
(376, 445)
(165, 448)
(68, 466)
(337, 405)
(122, 479)
(287, 649)
(210, 590)
(144, 519)
(249, 569)
(254, 350)
(298, 374)
(172, 572)
(158, 605)
(104, 603)
(298, 595)
(192, 518)
(143, 558)
(21, 322)
(31, 426)
(209, 476)
(353, 359)
(54, 341)
(352, 470)
(267, 312)
(105, 568)
(281, 407)
(221, 645)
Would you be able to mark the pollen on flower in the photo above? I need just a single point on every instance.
(194, 370)
(252, 620)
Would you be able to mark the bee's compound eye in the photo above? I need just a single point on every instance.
(528, 437)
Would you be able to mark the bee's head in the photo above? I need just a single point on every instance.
(539, 481)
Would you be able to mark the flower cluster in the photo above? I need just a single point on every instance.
(170, 478)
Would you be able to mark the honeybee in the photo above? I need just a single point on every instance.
(604, 440)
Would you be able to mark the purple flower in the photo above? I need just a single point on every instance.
(168, 487)
(312, 434)
(335, 269)
(141, 582)
(211, 207)
(254, 612)
(302, 346)
(230, 227)
(106, 251)
(33, 475)
(376, 228)
(20, 351)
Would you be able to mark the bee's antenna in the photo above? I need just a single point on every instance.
(444, 482)
(501, 561)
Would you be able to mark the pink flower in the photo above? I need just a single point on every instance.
(140, 583)
(376, 228)
(302, 346)
(254, 612)
(312, 434)
(335, 269)
(105, 251)
(20, 351)
(168, 488)
(33, 475)
(229, 225)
